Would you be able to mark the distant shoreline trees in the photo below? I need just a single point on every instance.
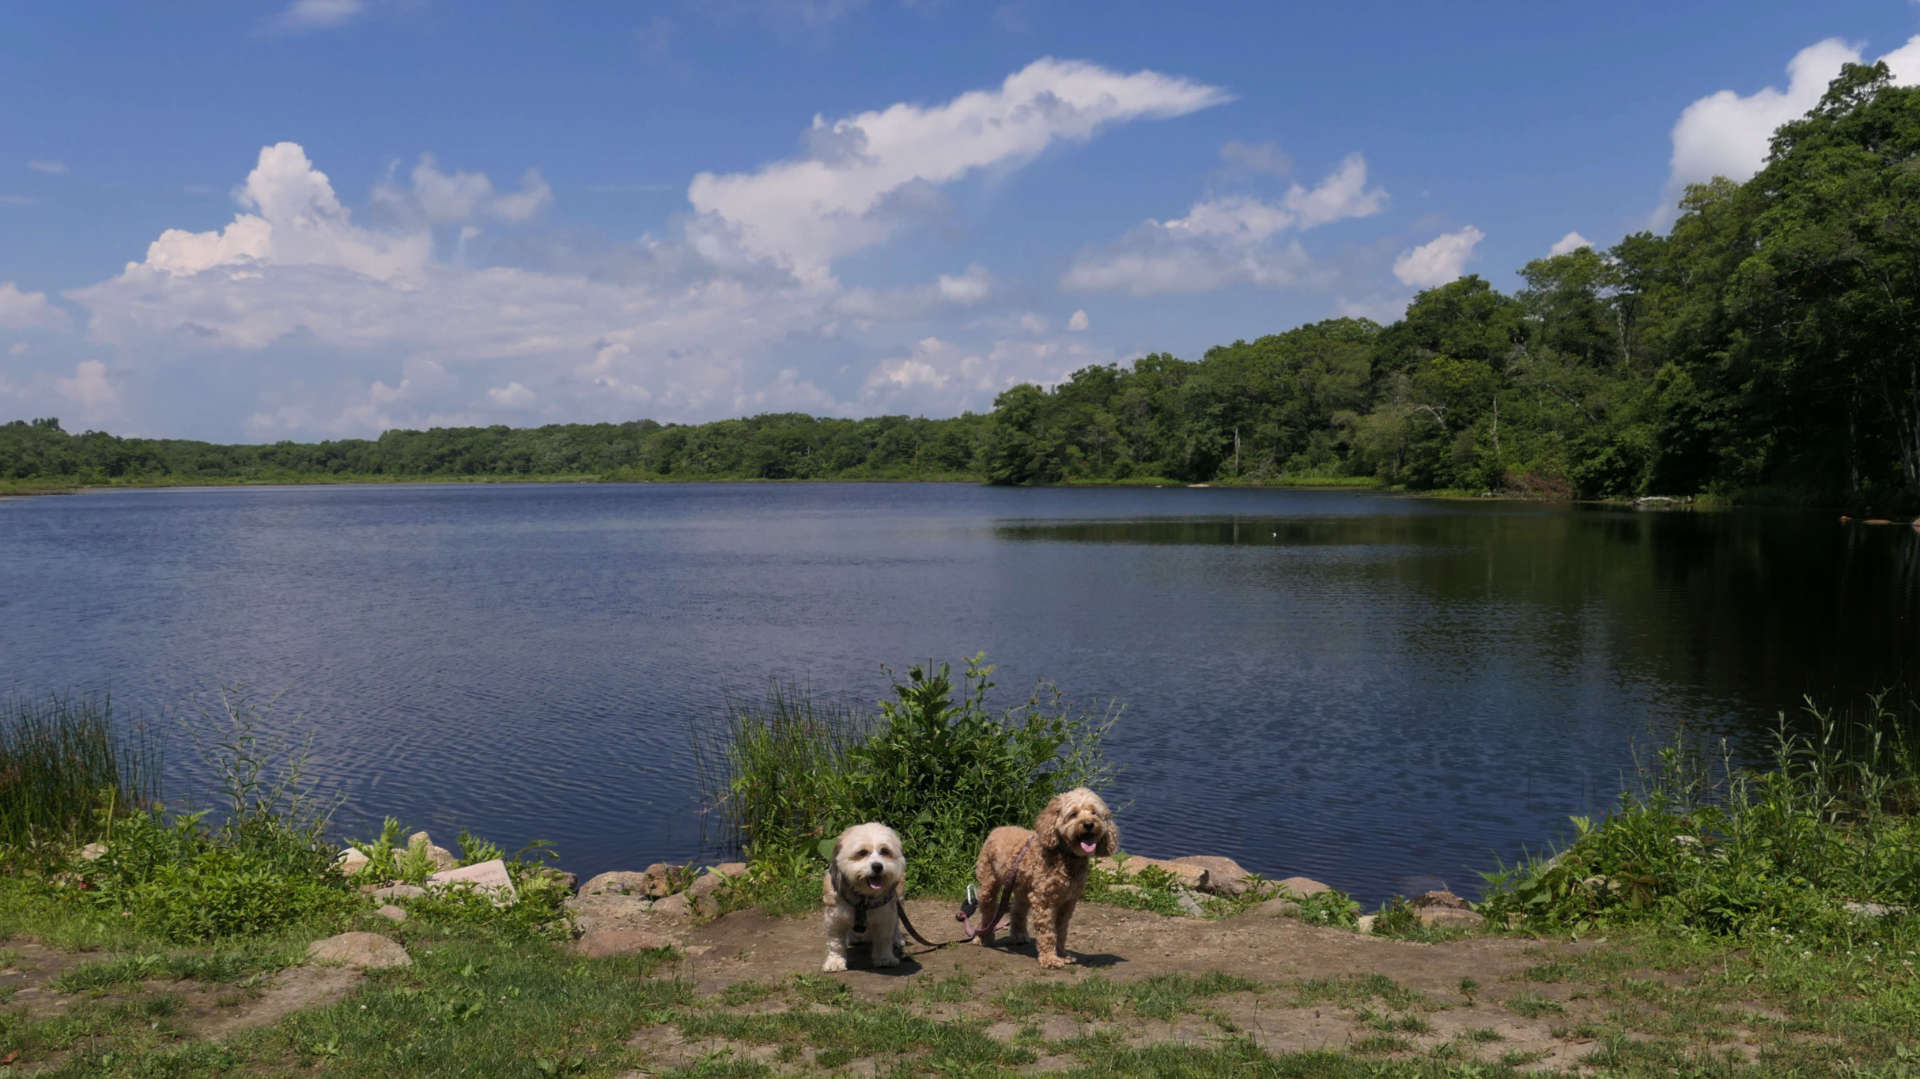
(1766, 348)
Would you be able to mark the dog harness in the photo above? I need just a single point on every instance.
(860, 903)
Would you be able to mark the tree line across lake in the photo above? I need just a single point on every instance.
(1767, 347)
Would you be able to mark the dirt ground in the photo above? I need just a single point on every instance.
(1124, 945)
(1467, 1011)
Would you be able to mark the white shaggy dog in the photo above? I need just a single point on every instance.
(859, 893)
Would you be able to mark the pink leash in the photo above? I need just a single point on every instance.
(971, 903)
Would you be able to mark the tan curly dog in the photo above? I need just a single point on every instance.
(1074, 828)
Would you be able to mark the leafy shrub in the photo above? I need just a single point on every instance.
(260, 866)
(942, 771)
(185, 883)
(1740, 853)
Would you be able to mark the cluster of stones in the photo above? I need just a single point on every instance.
(1218, 875)
(625, 911)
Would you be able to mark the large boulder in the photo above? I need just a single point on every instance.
(1449, 918)
(365, 951)
(1188, 876)
(597, 911)
(1302, 887)
(350, 861)
(1224, 875)
(623, 882)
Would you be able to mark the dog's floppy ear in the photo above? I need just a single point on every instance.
(833, 866)
(1109, 836)
(1047, 824)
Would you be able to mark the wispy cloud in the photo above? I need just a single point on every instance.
(318, 14)
(867, 172)
(51, 168)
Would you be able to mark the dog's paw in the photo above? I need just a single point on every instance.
(1015, 936)
(886, 959)
(1055, 962)
(834, 963)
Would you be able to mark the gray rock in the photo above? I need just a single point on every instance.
(1364, 924)
(1224, 875)
(441, 857)
(605, 942)
(399, 891)
(391, 913)
(662, 879)
(350, 861)
(1188, 904)
(1280, 907)
(619, 882)
(673, 906)
(1871, 910)
(1450, 918)
(1188, 876)
(730, 869)
(609, 910)
(1439, 897)
(1302, 887)
(365, 951)
(700, 894)
(490, 878)
(93, 852)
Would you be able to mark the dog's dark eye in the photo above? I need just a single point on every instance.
(885, 853)
(861, 853)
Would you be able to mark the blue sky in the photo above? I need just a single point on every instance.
(323, 218)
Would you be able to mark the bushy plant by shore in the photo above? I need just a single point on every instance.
(937, 763)
(1746, 853)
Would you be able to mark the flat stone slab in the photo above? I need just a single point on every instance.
(489, 877)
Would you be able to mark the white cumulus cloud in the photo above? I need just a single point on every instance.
(89, 387)
(511, 395)
(848, 193)
(27, 310)
(1439, 260)
(1078, 322)
(1728, 134)
(1228, 240)
(967, 288)
(1571, 242)
(456, 196)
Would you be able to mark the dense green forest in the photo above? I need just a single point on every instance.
(1767, 347)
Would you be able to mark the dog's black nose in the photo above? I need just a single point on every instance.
(879, 868)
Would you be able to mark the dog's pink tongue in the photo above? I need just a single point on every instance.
(1087, 845)
(874, 883)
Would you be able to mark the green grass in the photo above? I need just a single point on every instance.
(65, 768)
(1097, 997)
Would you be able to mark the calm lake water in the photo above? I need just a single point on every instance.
(1383, 693)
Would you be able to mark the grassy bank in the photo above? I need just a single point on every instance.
(1702, 928)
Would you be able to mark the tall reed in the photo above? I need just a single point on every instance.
(776, 771)
(62, 763)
